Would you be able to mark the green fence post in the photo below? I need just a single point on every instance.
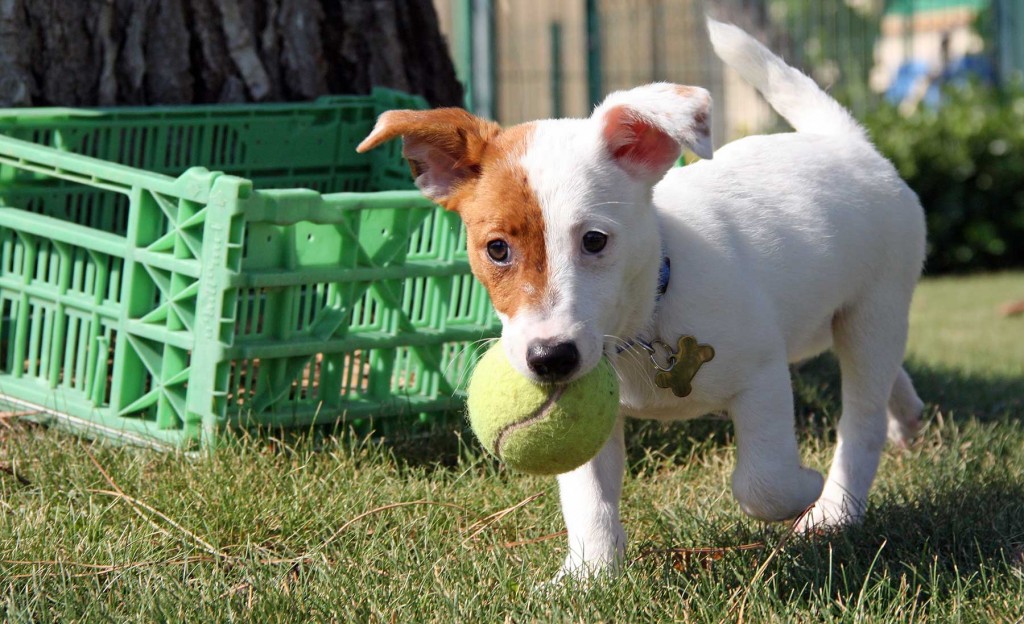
(658, 71)
(1009, 48)
(594, 87)
(556, 69)
(464, 48)
(485, 84)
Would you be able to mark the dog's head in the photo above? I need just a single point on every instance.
(558, 214)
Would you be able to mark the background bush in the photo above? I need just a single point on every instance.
(965, 160)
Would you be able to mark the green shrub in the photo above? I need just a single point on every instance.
(965, 160)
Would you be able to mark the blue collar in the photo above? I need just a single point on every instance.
(664, 273)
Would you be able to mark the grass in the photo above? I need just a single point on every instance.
(316, 529)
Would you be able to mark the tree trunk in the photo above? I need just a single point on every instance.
(107, 52)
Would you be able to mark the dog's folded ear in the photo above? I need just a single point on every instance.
(444, 146)
(645, 129)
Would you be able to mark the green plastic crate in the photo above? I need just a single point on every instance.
(164, 310)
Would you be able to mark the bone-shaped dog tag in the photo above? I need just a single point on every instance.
(683, 365)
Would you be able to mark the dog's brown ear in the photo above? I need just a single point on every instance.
(645, 129)
(444, 146)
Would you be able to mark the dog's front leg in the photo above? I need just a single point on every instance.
(590, 504)
(769, 481)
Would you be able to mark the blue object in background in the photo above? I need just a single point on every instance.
(908, 75)
(972, 67)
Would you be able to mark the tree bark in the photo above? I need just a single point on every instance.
(107, 52)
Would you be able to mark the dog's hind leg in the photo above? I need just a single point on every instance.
(869, 340)
(904, 411)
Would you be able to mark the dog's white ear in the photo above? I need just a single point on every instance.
(646, 128)
(444, 146)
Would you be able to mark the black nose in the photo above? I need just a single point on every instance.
(552, 361)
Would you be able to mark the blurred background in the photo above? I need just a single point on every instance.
(936, 82)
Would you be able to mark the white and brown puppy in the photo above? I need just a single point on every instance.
(781, 247)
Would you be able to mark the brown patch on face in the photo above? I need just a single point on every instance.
(500, 204)
(470, 165)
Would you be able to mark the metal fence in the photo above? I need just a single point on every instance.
(551, 58)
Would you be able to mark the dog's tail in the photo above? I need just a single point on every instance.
(794, 95)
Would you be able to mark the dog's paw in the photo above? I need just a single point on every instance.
(578, 579)
(902, 435)
(904, 412)
(780, 496)
(583, 572)
(566, 577)
(902, 431)
(827, 516)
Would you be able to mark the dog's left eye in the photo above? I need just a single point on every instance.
(498, 251)
(594, 241)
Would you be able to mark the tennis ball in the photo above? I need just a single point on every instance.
(541, 429)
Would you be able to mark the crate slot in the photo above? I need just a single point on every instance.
(8, 312)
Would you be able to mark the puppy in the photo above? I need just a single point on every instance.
(779, 248)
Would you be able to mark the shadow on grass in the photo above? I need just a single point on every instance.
(956, 393)
(951, 532)
(959, 538)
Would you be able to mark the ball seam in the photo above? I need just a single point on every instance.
(542, 412)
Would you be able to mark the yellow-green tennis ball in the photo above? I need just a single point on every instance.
(541, 429)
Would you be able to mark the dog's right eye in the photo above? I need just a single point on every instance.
(594, 241)
(498, 251)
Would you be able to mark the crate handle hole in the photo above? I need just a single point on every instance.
(309, 237)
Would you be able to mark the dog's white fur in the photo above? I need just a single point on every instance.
(781, 246)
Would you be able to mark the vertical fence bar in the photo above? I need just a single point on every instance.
(657, 41)
(1012, 31)
(556, 69)
(464, 48)
(482, 57)
(1009, 18)
(908, 33)
(595, 88)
